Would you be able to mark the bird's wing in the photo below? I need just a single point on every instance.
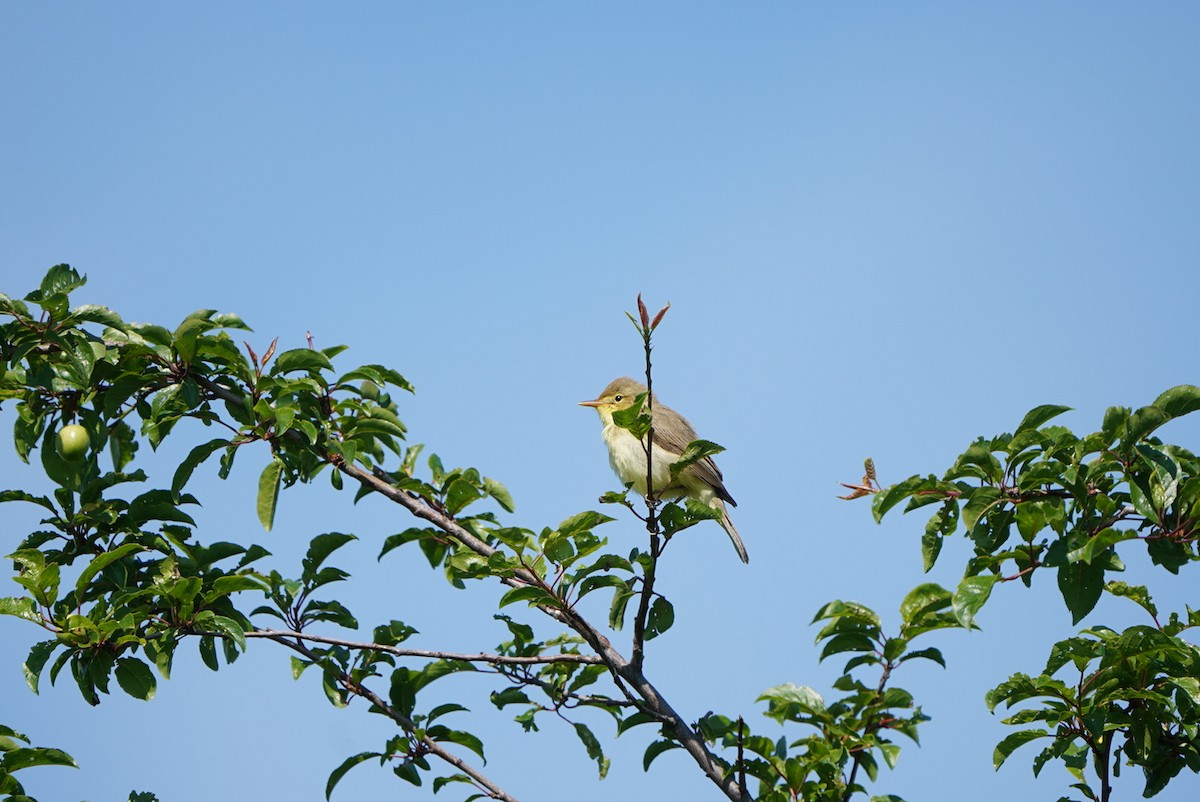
(709, 472)
(706, 469)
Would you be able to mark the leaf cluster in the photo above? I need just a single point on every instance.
(119, 580)
(1044, 499)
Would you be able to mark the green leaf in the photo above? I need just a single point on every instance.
(891, 754)
(1039, 415)
(330, 611)
(929, 654)
(441, 668)
(300, 359)
(235, 583)
(185, 337)
(1081, 585)
(392, 633)
(509, 696)
(1143, 422)
(363, 426)
(789, 694)
(633, 419)
(59, 279)
(21, 607)
(582, 522)
(889, 497)
(1010, 743)
(337, 774)
(440, 733)
(1179, 400)
(847, 642)
(13, 307)
(27, 757)
(378, 374)
(135, 678)
(1079, 651)
(982, 500)
(100, 563)
(91, 313)
(159, 505)
(460, 494)
(500, 493)
(268, 492)
(970, 597)
(196, 456)
(592, 744)
(696, 451)
(588, 584)
(660, 619)
(635, 720)
(527, 593)
(38, 655)
(320, 547)
(1115, 421)
(337, 695)
(924, 598)
(616, 613)
(1136, 593)
(940, 526)
(1020, 687)
(1100, 545)
(21, 495)
(654, 750)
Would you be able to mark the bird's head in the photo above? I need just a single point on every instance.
(619, 394)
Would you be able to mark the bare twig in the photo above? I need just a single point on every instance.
(643, 610)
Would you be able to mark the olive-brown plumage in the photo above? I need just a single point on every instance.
(701, 480)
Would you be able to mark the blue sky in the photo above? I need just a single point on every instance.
(884, 230)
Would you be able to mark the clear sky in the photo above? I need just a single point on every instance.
(884, 229)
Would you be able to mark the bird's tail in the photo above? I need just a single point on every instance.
(733, 533)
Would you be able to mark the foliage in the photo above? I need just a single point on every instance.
(1044, 500)
(144, 582)
(14, 757)
(119, 578)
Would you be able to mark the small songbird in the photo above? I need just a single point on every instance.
(701, 480)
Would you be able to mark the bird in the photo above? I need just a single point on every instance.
(701, 480)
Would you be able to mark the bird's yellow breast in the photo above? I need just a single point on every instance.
(627, 455)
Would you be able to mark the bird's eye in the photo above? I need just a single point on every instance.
(617, 397)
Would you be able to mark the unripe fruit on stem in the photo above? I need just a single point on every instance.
(72, 442)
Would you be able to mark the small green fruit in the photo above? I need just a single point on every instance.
(369, 389)
(72, 442)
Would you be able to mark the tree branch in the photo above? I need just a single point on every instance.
(431, 746)
(648, 700)
(643, 610)
(651, 701)
(481, 657)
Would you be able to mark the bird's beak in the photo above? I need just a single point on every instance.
(589, 403)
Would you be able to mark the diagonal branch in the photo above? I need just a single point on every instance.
(481, 657)
(428, 744)
(650, 700)
(628, 676)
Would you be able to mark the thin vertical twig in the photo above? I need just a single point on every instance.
(741, 758)
(869, 727)
(643, 611)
